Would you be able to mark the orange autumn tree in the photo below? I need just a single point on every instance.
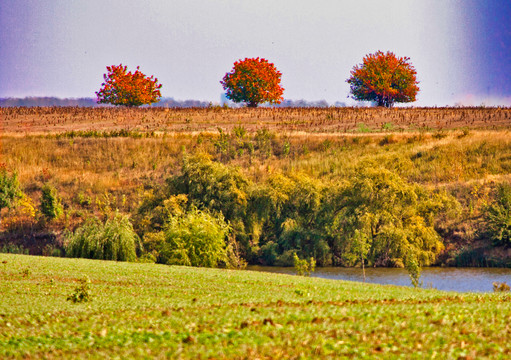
(384, 79)
(253, 81)
(122, 87)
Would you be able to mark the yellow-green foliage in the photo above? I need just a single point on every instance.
(112, 240)
(10, 190)
(304, 267)
(498, 216)
(391, 214)
(195, 238)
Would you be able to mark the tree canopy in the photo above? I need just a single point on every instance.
(253, 81)
(122, 87)
(385, 79)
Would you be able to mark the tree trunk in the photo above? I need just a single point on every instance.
(252, 104)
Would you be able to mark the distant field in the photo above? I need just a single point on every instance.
(314, 120)
(158, 311)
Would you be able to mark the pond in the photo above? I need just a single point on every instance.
(449, 279)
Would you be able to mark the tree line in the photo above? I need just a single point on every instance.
(382, 78)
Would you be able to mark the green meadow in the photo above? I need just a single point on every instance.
(137, 310)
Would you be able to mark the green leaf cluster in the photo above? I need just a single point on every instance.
(384, 218)
(497, 216)
(10, 190)
(114, 239)
(50, 206)
(195, 238)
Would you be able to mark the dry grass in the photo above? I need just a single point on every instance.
(314, 120)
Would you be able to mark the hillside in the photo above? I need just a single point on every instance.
(105, 160)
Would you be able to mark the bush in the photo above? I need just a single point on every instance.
(194, 239)
(288, 208)
(10, 190)
(213, 186)
(394, 218)
(50, 203)
(81, 292)
(497, 217)
(269, 253)
(304, 267)
(113, 240)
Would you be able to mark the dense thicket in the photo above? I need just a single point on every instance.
(375, 216)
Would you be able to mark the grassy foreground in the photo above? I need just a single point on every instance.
(157, 311)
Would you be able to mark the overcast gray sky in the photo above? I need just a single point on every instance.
(461, 49)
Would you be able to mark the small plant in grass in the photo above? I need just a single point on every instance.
(464, 132)
(388, 139)
(286, 148)
(414, 271)
(81, 292)
(363, 128)
(388, 126)
(304, 267)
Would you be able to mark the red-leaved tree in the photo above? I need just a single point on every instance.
(384, 79)
(253, 81)
(122, 87)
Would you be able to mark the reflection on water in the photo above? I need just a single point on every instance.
(450, 279)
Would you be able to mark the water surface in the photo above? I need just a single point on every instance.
(450, 279)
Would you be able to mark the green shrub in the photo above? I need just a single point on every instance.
(394, 217)
(286, 258)
(497, 216)
(304, 267)
(81, 292)
(50, 202)
(269, 253)
(212, 185)
(13, 249)
(10, 190)
(194, 239)
(288, 207)
(414, 271)
(113, 240)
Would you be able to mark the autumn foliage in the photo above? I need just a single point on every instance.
(126, 88)
(385, 79)
(253, 81)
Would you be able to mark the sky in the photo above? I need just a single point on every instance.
(461, 49)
